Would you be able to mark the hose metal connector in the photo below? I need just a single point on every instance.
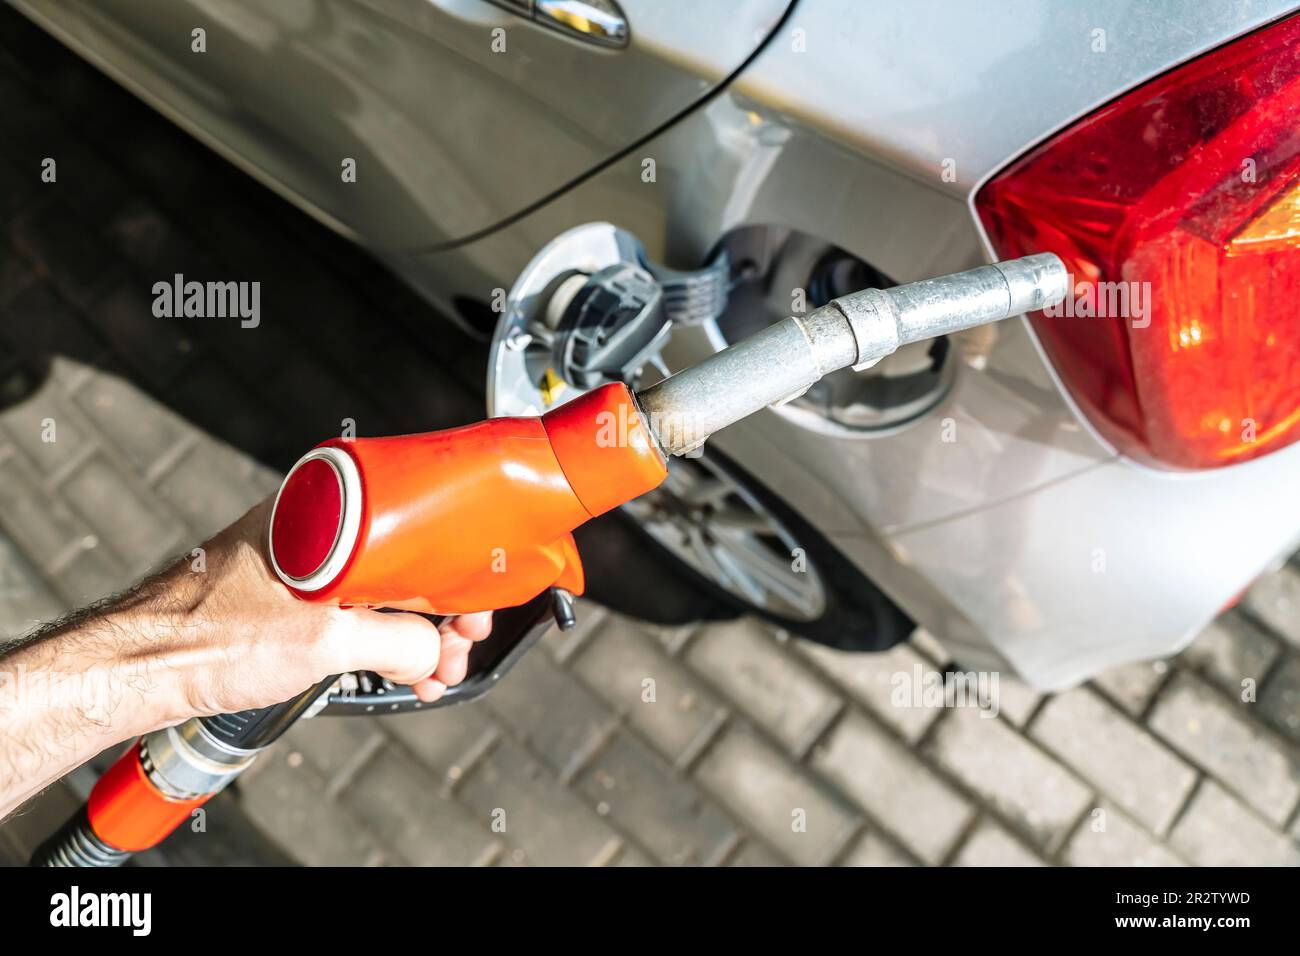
(186, 761)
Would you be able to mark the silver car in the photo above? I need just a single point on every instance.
(1056, 494)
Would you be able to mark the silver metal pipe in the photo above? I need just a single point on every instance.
(781, 362)
(185, 761)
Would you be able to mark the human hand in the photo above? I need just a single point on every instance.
(233, 637)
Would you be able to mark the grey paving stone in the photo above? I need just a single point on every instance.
(1122, 759)
(1217, 830)
(69, 374)
(872, 849)
(1015, 700)
(1132, 686)
(764, 791)
(558, 719)
(625, 666)
(27, 827)
(1280, 700)
(1259, 767)
(672, 637)
(991, 845)
(630, 856)
(208, 489)
(124, 515)
(870, 680)
(1275, 600)
(563, 645)
(49, 431)
(545, 823)
(286, 800)
(265, 480)
(25, 601)
(403, 805)
(1106, 837)
(1231, 649)
(1038, 794)
(446, 740)
(331, 743)
(743, 659)
(894, 786)
(752, 853)
(42, 526)
(641, 794)
(90, 574)
(930, 646)
(140, 428)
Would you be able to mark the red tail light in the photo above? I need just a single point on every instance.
(1181, 201)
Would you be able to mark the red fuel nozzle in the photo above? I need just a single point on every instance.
(462, 520)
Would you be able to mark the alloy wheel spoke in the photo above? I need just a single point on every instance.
(705, 490)
(700, 514)
(740, 520)
(766, 569)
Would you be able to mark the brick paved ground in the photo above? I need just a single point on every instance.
(618, 744)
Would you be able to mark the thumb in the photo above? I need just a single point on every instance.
(402, 647)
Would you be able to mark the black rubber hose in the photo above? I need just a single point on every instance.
(75, 844)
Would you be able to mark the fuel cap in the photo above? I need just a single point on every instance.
(316, 519)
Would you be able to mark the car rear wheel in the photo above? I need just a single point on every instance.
(742, 542)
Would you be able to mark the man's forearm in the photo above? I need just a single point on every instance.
(76, 689)
(214, 636)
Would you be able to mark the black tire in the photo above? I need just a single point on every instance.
(643, 582)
